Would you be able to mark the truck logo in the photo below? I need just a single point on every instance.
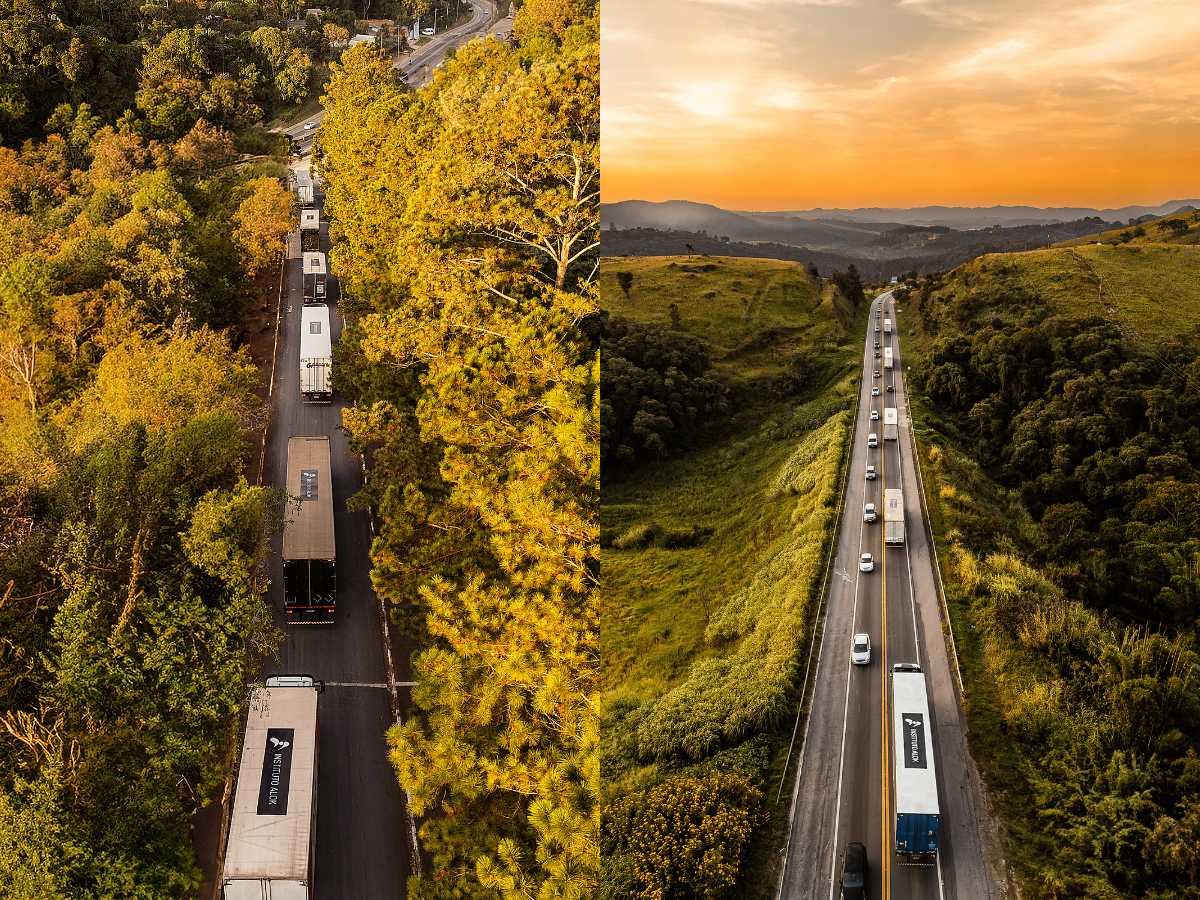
(914, 740)
(308, 484)
(276, 778)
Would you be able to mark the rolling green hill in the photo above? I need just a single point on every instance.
(712, 557)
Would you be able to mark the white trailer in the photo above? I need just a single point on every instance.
(316, 354)
(917, 812)
(893, 516)
(890, 431)
(887, 357)
(273, 829)
(304, 193)
(887, 326)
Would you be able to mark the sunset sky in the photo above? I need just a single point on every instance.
(795, 104)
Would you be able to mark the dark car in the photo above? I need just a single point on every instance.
(854, 872)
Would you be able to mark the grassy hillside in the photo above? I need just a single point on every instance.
(750, 310)
(712, 559)
(1055, 399)
(1147, 290)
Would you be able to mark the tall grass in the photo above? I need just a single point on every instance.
(725, 699)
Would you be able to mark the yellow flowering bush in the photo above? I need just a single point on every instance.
(684, 837)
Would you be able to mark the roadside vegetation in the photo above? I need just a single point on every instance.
(138, 201)
(1055, 395)
(726, 389)
(471, 351)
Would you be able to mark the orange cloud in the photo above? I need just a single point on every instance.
(789, 105)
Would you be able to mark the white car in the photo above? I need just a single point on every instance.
(870, 473)
(874, 392)
(309, 126)
(867, 563)
(869, 512)
(876, 373)
(860, 649)
(874, 414)
(430, 31)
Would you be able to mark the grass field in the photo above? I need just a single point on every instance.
(752, 311)
(1149, 290)
(696, 637)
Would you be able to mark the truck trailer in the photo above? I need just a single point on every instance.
(887, 357)
(916, 781)
(316, 354)
(893, 516)
(304, 193)
(887, 326)
(890, 431)
(273, 829)
(309, 550)
(315, 277)
(310, 230)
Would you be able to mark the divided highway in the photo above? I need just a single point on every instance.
(362, 840)
(844, 791)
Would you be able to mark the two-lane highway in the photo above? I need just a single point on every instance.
(844, 791)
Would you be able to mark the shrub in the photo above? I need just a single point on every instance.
(684, 838)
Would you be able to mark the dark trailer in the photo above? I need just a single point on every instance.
(309, 558)
(314, 277)
(310, 230)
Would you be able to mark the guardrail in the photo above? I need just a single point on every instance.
(937, 566)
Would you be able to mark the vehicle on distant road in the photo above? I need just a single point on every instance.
(874, 414)
(872, 441)
(869, 512)
(874, 392)
(309, 126)
(860, 650)
(876, 373)
(876, 327)
(870, 473)
(889, 387)
(877, 354)
(866, 563)
(430, 31)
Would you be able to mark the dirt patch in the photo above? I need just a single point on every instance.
(256, 332)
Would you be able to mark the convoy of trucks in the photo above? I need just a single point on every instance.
(893, 516)
(316, 354)
(273, 829)
(309, 548)
(916, 781)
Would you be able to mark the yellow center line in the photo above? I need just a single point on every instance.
(885, 856)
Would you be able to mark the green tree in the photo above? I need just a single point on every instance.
(263, 221)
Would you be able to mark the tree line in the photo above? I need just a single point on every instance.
(1073, 546)
(128, 532)
(464, 232)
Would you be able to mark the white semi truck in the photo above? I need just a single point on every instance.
(889, 423)
(893, 516)
(273, 829)
(316, 354)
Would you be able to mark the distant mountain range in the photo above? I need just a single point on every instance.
(845, 230)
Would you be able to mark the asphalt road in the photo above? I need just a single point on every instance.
(362, 845)
(419, 65)
(844, 791)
